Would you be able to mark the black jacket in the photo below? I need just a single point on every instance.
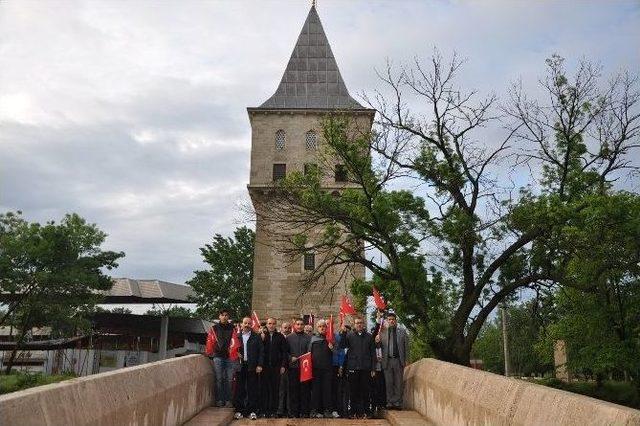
(321, 355)
(223, 335)
(255, 351)
(361, 354)
(297, 344)
(275, 350)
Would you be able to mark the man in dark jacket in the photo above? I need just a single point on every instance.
(361, 357)
(322, 359)
(298, 344)
(275, 361)
(251, 352)
(222, 366)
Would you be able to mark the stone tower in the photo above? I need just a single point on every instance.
(286, 137)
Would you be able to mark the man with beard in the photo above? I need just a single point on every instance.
(275, 361)
(298, 344)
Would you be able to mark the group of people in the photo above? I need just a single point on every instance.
(355, 374)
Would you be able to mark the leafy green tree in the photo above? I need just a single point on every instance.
(51, 273)
(425, 213)
(598, 316)
(228, 281)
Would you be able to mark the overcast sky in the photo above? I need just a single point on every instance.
(132, 114)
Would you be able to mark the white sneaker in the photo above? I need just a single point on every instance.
(237, 415)
(335, 415)
(253, 416)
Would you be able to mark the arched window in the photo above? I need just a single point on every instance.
(281, 139)
(311, 139)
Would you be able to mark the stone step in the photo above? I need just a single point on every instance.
(310, 422)
(212, 416)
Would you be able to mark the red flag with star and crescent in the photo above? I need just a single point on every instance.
(346, 307)
(234, 345)
(212, 340)
(306, 367)
(379, 300)
(331, 338)
(255, 321)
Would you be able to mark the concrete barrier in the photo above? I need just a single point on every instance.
(167, 392)
(449, 394)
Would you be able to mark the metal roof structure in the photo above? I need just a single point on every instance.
(127, 290)
(312, 79)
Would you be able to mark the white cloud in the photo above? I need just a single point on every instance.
(133, 113)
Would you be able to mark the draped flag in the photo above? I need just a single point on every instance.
(212, 340)
(379, 300)
(255, 321)
(346, 307)
(330, 336)
(306, 367)
(234, 345)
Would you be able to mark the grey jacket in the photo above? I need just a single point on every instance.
(403, 345)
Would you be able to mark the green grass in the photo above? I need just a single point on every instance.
(622, 393)
(19, 381)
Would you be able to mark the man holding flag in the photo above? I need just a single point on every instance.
(220, 337)
(298, 345)
(251, 354)
(321, 347)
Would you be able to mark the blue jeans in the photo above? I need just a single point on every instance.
(223, 369)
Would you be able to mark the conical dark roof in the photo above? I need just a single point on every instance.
(312, 79)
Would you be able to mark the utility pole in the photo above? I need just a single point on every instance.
(505, 342)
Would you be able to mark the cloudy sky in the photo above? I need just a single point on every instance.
(132, 114)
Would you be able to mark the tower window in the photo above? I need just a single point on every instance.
(309, 261)
(281, 139)
(279, 171)
(310, 168)
(341, 173)
(311, 139)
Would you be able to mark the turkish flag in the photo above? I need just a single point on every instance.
(234, 345)
(255, 321)
(330, 337)
(378, 299)
(212, 339)
(346, 307)
(306, 367)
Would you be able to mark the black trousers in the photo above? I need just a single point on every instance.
(246, 398)
(321, 400)
(378, 391)
(298, 394)
(359, 384)
(269, 389)
(340, 392)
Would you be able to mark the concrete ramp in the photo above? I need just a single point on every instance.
(168, 392)
(450, 394)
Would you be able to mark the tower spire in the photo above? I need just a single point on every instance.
(312, 79)
(313, 3)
